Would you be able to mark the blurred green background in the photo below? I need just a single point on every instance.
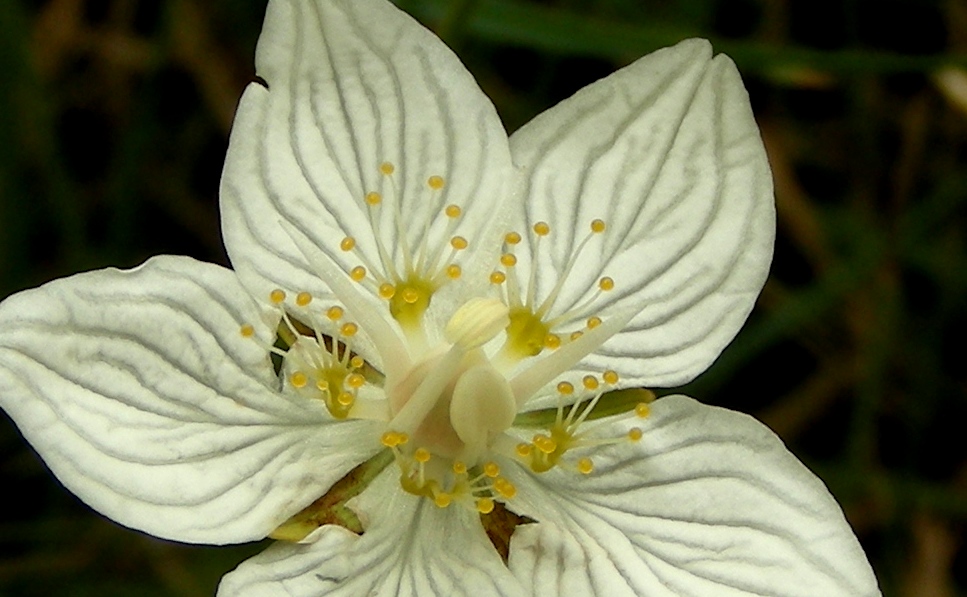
(114, 116)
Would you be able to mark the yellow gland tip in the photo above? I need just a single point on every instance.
(345, 399)
(347, 244)
(334, 313)
(593, 322)
(247, 331)
(358, 273)
(585, 466)
(277, 296)
(356, 362)
(590, 382)
(299, 379)
(552, 341)
(349, 329)
(387, 290)
(303, 299)
(544, 443)
(387, 168)
(459, 243)
(391, 439)
(606, 284)
(598, 226)
(485, 505)
(459, 468)
(508, 260)
(523, 450)
(512, 238)
(322, 385)
(505, 488)
(491, 469)
(642, 410)
(542, 229)
(355, 381)
(635, 434)
(435, 182)
(421, 455)
(454, 271)
(374, 198)
(442, 499)
(498, 278)
(453, 211)
(610, 377)
(410, 295)
(565, 388)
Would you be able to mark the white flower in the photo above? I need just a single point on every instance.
(439, 300)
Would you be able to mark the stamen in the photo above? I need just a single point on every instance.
(585, 466)
(386, 168)
(303, 299)
(347, 244)
(277, 296)
(247, 331)
(435, 182)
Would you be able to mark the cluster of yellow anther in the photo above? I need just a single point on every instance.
(532, 325)
(445, 481)
(408, 284)
(321, 365)
(546, 450)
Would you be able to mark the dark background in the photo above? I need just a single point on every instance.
(114, 116)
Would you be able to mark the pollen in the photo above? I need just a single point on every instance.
(347, 244)
(435, 182)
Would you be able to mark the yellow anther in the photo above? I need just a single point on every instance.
(303, 298)
(387, 290)
(642, 410)
(247, 331)
(598, 226)
(435, 182)
(459, 243)
(345, 398)
(391, 439)
(459, 467)
(421, 455)
(593, 322)
(505, 488)
(491, 469)
(374, 198)
(565, 388)
(498, 278)
(606, 284)
(610, 377)
(508, 260)
(347, 244)
(410, 295)
(552, 341)
(387, 168)
(453, 211)
(585, 466)
(349, 329)
(575, 335)
(334, 313)
(442, 499)
(298, 379)
(542, 229)
(544, 443)
(524, 450)
(590, 382)
(403, 438)
(357, 362)
(277, 296)
(355, 381)
(358, 273)
(485, 505)
(512, 238)
(322, 385)
(454, 271)
(634, 434)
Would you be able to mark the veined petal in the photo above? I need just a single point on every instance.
(667, 154)
(140, 393)
(411, 548)
(353, 85)
(709, 502)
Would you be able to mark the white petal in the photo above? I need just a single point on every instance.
(353, 84)
(138, 390)
(709, 502)
(410, 549)
(666, 151)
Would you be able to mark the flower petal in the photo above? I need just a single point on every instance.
(353, 84)
(142, 396)
(709, 502)
(410, 549)
(667, 153)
